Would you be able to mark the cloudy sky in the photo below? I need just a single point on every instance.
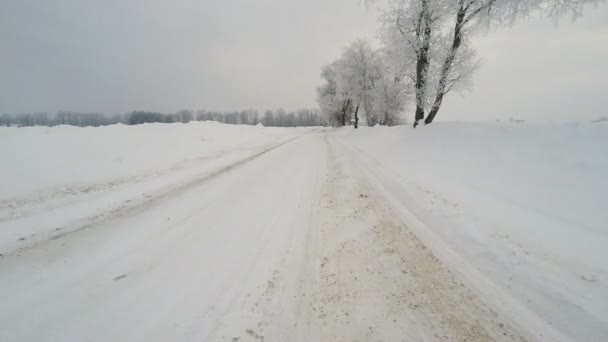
(120, 55)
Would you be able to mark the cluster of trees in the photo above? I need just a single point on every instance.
(278, 118)
(361, 84)
(60, 118)
(425, 53)
(270, 118)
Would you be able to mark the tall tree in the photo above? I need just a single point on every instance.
(335, 96)
(359, 71)
(409, 31)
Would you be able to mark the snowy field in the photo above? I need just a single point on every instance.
(204, 231)
(50, 158)
(54, 178)
(525, 204)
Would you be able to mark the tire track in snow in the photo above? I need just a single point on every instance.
(386, 183)
(380, 282)
(133, 206)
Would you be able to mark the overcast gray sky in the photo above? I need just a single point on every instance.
(120, 55)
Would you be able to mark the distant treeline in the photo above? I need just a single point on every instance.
(270, 118)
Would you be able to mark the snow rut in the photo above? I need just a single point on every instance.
(321, 256)
(133, 204)
(380, 282)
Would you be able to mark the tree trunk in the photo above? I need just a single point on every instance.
(436, 105)
(447, 64)
(422, 61)
(345, 108)
(357, 117)
(388, 121)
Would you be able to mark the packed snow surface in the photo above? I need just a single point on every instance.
(526, 204)
(42, 158)
(204, 231)
(54, 178)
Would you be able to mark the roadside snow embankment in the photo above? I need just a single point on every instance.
(57, 179)
(41, 158)
(525, 204)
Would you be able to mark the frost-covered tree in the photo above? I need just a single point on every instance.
(268, 119)
(184, 116)
(390, 96)
(359, 70)
(410, 29)
(467, 16)
(429, 40)
(6, 120)
(334, 98)
(360, 81)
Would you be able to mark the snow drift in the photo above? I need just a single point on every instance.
(40, 158)
(523, 203)
(59, 179)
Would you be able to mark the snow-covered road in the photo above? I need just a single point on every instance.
(295, 241)
(198, 263)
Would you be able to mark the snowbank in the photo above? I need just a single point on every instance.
(525, 203)
(558, 170)
(44, 158)
(60, 179)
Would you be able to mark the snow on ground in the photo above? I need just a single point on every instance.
(525, 204)
(57, 178)
(455, 231)
(43, 158)
(225, 256)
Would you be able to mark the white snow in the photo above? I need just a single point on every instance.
(59, 177)
(44, 158)
(525, 204)
(205, 231)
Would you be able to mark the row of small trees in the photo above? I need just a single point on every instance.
(425, 53)
(278, 118)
